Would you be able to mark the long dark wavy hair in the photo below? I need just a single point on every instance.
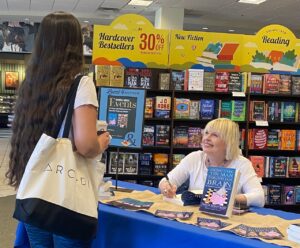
(56, 59)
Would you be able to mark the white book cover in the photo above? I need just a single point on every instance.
(195, 79)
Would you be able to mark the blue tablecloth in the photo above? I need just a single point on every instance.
(122, 228)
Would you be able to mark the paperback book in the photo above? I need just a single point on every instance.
(219, 191)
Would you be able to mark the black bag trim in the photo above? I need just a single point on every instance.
(56, 219)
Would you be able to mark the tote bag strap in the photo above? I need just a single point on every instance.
(67, 110)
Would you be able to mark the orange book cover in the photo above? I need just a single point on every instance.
(288, 139)
(227, 51)
(258, 163)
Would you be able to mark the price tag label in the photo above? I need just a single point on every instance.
(238, 94)
(262, 123)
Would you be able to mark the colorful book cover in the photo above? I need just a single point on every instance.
(274, 194)
(258, 110)
(145, 164)
(273, 141)
(260, 137)
(195, 79)
(285, 84)
(295, 85)
(145, 76)
(177, 79)
(162, 135)
(209, 81)
(219, 191)
(207, 109)
(294, 167)
(162, 106)
(160, 164)
(256, 83)
(258, 163)
(288, 111)
(194, 110)
(279, 166)
(194, 137)
(176, 159)
(288, 195)
(297, 194)
(164, 81)
(271, 83)
(213, 224)
(131, 77)
(131, 163)
(274, 111)
(102, 73)
(235, 82)
(182, 108)
(148, 135)
(238, 110)
(288, 139)
(226, 109)
(221, 81)
(149, 107)
(180, 136)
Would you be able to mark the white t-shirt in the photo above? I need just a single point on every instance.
(193, 167)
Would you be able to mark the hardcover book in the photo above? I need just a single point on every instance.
(274, 194)
(177, 79)
(226, 109)
(288, 111)
(294, 167)
(181, 108)
(288, 139)
(194, 137)
(164, 81)
(260, 137)
(222, 81)
(207, 109)
(295, 85)
(274, 111)
(160, 163)
(162, 135)
(256, 83)
(194, 110)
(116, 76)
(145, 164)
(149, 105)
(102, 73)
(162, 106)
(131, 161)
(271, 83)
(273, 141)
(257, 110)
(194, 79)
(115, 162)
(180, 136)
(278, 166)
(288, 195)
(145, 81)
(131, 77)
(148, 135)
(209, 81)
(235, 82)
(176, 159)
(219, 191)
(238, 110)
(285, 84)
(258, 163)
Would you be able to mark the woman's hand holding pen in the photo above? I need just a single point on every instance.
(168, 189)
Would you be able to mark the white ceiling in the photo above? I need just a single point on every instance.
(217, 15)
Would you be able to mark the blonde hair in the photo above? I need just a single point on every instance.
(229, 133)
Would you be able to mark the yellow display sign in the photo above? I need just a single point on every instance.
(273, 48)
(209, 51)
(132, 41)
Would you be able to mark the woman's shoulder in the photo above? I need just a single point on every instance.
(86, 81)
(242, 161)
(195, 155)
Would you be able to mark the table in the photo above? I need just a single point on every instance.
(122, 228)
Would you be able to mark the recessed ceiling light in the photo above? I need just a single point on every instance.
(86, 21)
(252, 1)
(205, 28)
(140, 2)
(231, 30)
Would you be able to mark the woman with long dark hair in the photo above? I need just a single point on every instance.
(56, 60)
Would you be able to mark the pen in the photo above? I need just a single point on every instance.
(168, 181)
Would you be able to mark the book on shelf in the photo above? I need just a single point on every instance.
(131, 162)
(115, 162)
(194, 110)
(164, 81)
(294, 167)
(102, 73)
(288, 139)
(258, 163)
(260, 137)
(274, 194)
(180, 136)
(131, 77)
(285, 84)
(256, 83)
(297, 194)
(273, 141)
(162, 107)
(182, 108)
(221, 81)
(219, 191)
(194, 137)
(160, 164)
(177, 80)
(288, 112)
(149, 107)
(207, 109)
(257, 111)
(271, 84)
(273, 111)
(148, 135)
(145, 164)
(238, 110)
(226, 109)
(209, 81)
(176, 158)
(162, 135)
(193, 79)
(295, 85)
(278, 166)
(145, 78)
(116, 76)
(235, 82)
(288, 195)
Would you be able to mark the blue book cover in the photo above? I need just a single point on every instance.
(207, 109)
(219, 191)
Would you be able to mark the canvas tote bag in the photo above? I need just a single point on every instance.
(58, 191)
